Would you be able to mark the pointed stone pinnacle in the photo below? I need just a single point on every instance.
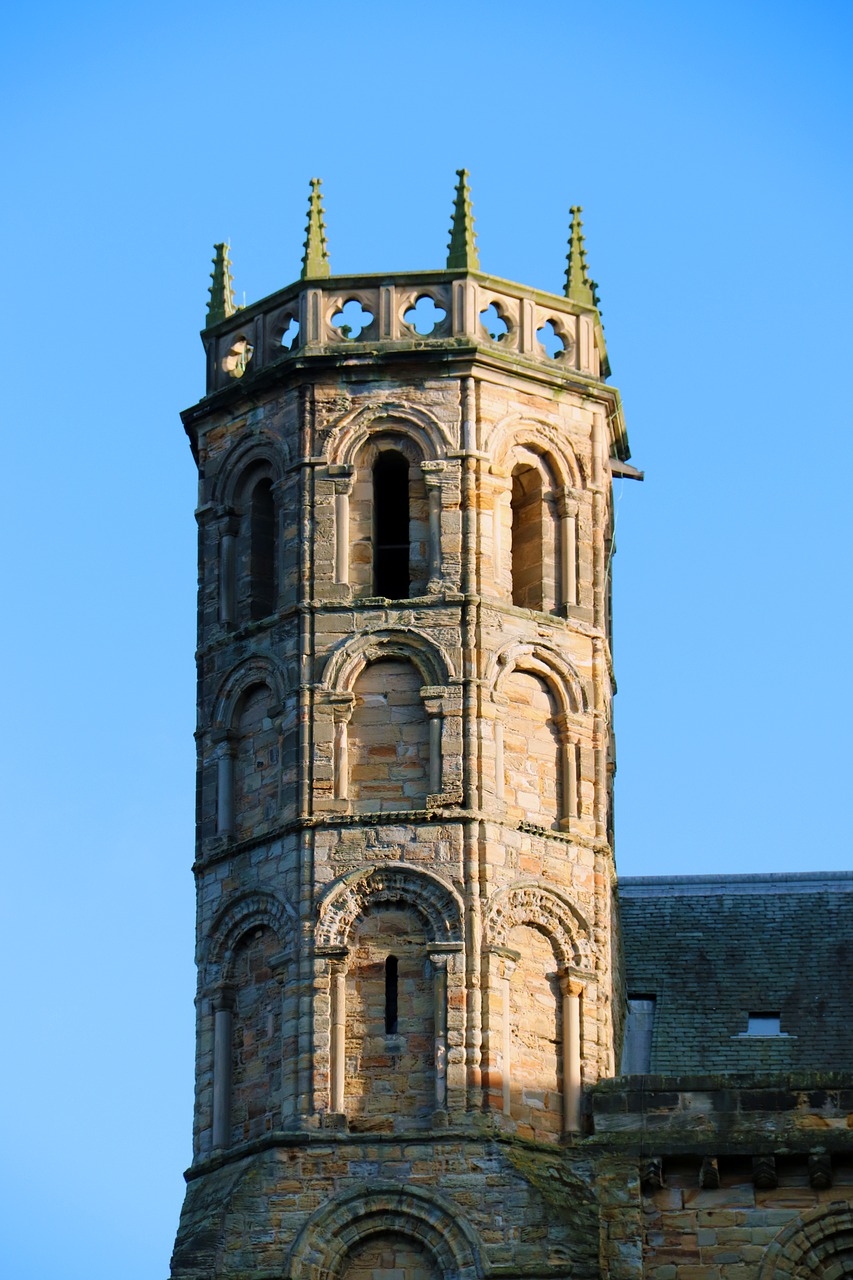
(579, 287)
(462, 251)
(315, 262)
(221, 304)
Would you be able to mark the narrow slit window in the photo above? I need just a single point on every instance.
(391, 526)
(391, 996)
(262, 550)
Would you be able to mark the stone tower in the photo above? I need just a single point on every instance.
(409, 965)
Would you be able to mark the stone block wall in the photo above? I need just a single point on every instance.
(404, 868)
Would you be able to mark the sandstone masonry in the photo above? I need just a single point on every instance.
(412, 999)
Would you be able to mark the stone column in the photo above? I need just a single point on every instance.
(228, 530)
(500, 484)
(567, 510)
(568, 769)
(500, 704)
(432, 473)
(571, 989)
(342, 711)
(342, 477)
(509, 959)
(433, 697)
(226, 751)
(500, 781)
(337, 1044)
(223, 1004)
(439, 964)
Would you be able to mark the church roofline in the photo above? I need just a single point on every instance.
(720, 886)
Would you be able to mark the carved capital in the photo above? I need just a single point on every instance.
(571, 984)
(224, 741)
(228, 522)
(342, 476)
(223, 997)
(342, 705)
(507, 960)
(337, 958)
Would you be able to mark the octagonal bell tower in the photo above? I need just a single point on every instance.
(407, 954)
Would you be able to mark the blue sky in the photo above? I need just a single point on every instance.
(710, 148)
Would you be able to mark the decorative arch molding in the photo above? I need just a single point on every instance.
(249, 910)
(320, 1250)
(253, 671)
(356, 892)
(351, 432)
(818, 1245)
(541, 660)
(532, 903)
(519, 434)
(350, 657)
(262, 449)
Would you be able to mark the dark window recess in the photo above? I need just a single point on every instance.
(527, 563)
(391, 526)
(262, 550)
(637, 1046)
(391, 996)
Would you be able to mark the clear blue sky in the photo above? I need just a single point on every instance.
(710, 147)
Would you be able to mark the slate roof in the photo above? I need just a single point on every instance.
(712, 949)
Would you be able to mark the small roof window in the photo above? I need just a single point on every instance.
(764, 1024)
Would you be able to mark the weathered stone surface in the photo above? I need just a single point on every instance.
(411, 996)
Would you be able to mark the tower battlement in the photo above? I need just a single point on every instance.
(269, 327)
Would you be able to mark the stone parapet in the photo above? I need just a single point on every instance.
(737, 1114)
(259, 336)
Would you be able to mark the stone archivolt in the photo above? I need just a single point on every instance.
(349, 435)
(550, 912)
(263, 450)
(335, 1231)
(346, 662)
(257, 670)
(541, 660)
(391, 882)
(514, 437)
(245, 911)
(818, 1246)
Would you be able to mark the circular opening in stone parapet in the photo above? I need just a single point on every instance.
(494, 323)
(351, 320)
(290, 333)
(551, 340)
(236, 361)
(425, 316)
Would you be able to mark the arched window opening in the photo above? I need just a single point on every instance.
(531, 752)
(256, 1045)
(262, 593)
(527, 549)
(256, 763)
(389, 1087)
(391, 577)
(535, 1034)
(391, 996)
(388, 739)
